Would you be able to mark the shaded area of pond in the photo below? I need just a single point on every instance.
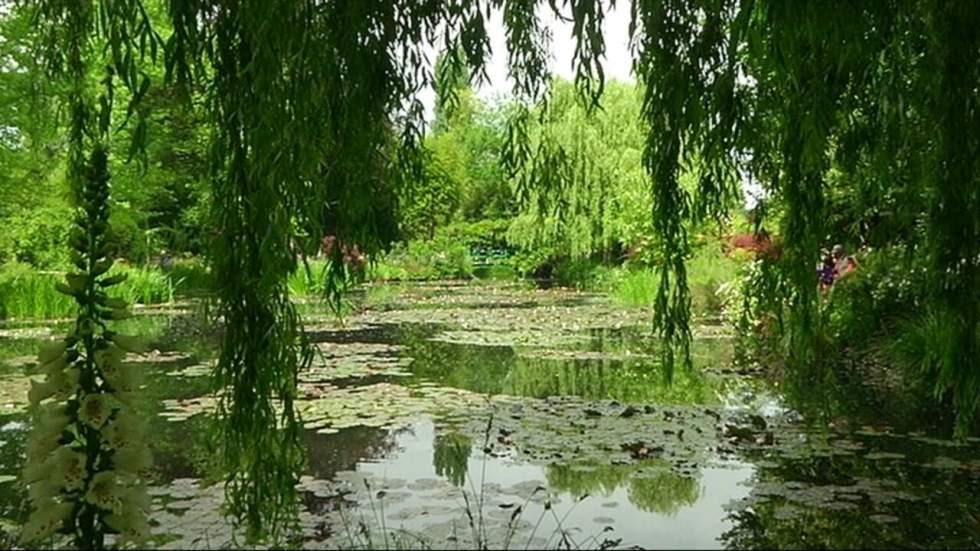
(503, 415)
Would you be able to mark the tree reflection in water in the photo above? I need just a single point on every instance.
(451, 455)
(342, 451)
(616, 365)
(651, 485)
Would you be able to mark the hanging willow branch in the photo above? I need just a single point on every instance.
(954, 185)
(691, 108)
(256, 167)
(317, 119)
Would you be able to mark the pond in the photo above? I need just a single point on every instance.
(454, 414)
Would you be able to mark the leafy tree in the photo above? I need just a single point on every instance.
(584, 191)
(33, 203)
(464, 177)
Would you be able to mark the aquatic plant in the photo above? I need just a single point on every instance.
(27, 293)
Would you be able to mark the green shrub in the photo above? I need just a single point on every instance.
(435, 259)
(884, 290)
(128, 237)
(37, 236)
(488, 233)
(190, 276)
(528, 262)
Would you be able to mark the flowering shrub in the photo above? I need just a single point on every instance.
(86, 453)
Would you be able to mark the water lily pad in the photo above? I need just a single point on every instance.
(423, 484)
(196, 370)
(884, 455)
(13, 392)
(945, 463)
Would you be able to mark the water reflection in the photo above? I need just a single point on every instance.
(651, 485)
(644, 504)
(827, 481)
(451, 455)
(614, 364)
(851, 395)
(13, 498)
(595, 379)
(860, 487)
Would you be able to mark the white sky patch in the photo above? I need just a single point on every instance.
(617, 62)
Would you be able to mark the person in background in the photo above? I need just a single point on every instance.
(843, 264)
(826, 271)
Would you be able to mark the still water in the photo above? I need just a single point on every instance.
(451, 415)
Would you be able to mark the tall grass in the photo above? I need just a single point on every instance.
(707, 270)
(26, 293)
(634, 287)
(145, 285)
(305, 283)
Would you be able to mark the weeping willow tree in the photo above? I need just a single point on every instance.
(597, 197)
(880, 94)
(315, 106)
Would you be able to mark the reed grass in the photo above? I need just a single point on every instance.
(27, 293)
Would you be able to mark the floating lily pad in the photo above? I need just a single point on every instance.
(884, 455)
(946, 463)
(604, 520)
(197, 370)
